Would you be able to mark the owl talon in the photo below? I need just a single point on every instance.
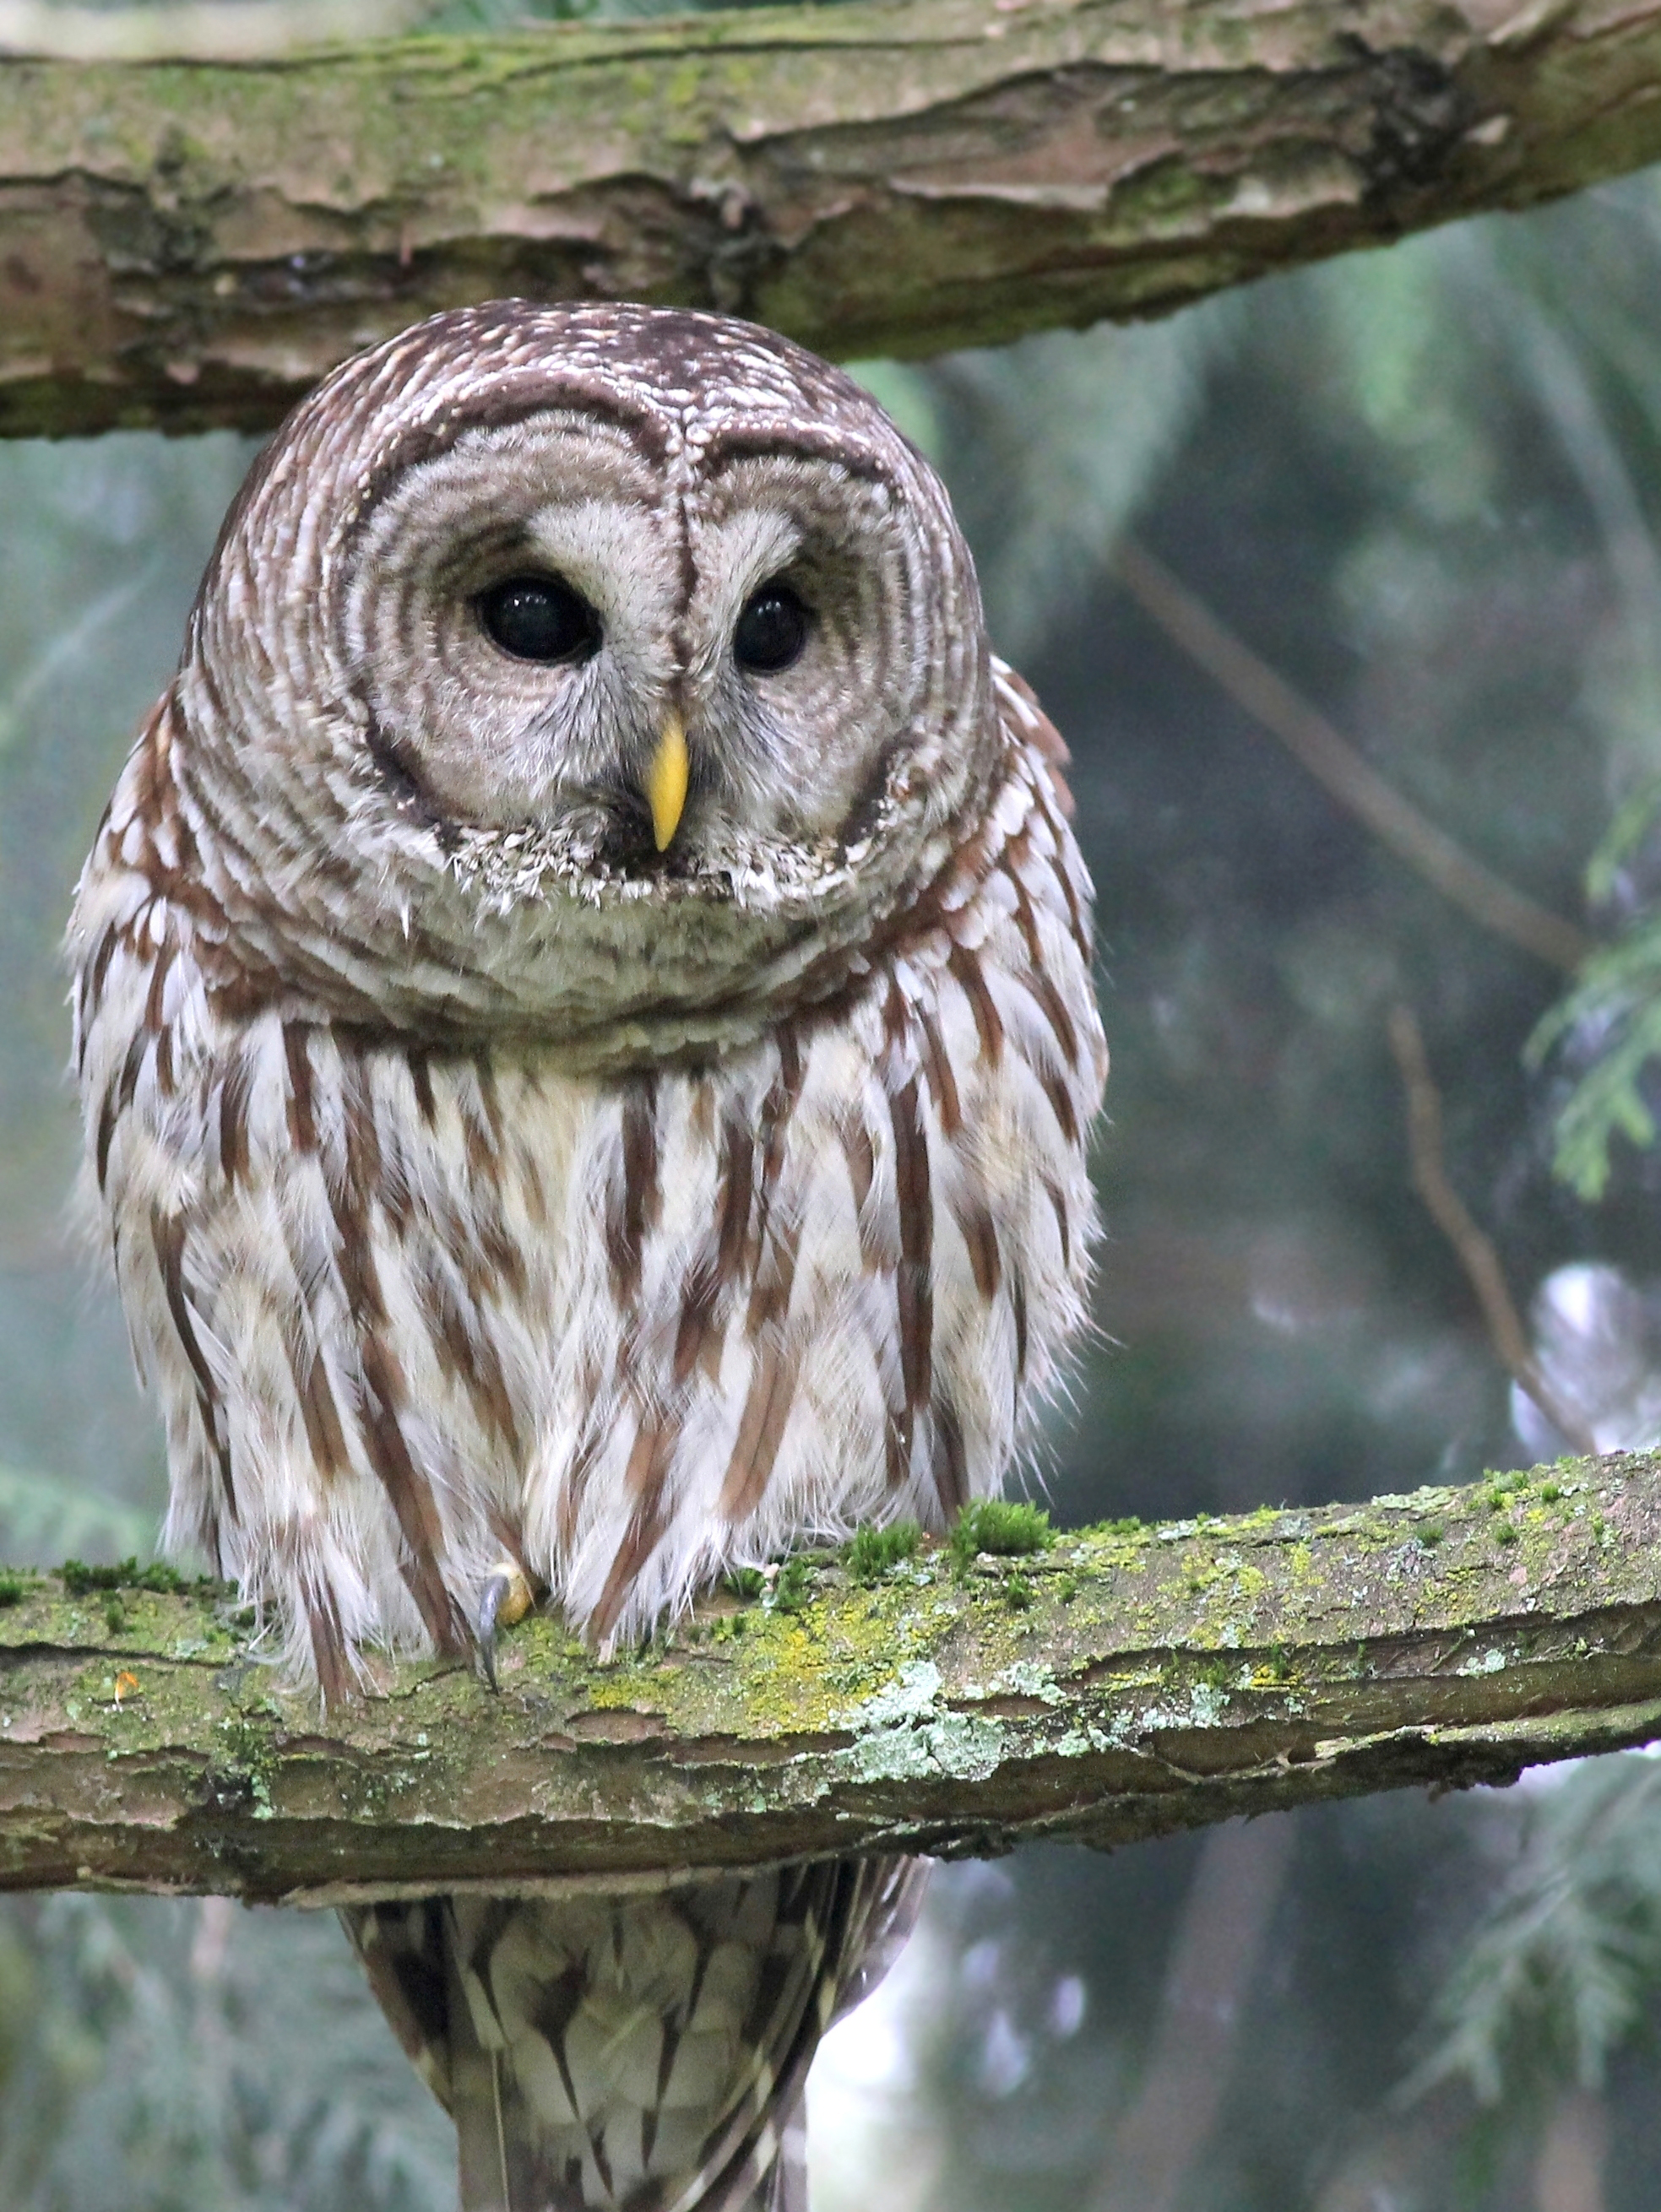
(504, 1601)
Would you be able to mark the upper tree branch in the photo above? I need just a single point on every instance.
(193, 243)
(1130, 1681)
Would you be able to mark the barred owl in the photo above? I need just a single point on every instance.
(583, 1012)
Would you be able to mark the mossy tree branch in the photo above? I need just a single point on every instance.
(1130, 1681)
(193, 243)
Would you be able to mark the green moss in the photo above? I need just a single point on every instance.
(748, 1582)
(1005, 1527)
(790, 1591)
(80, 1580)
(250, 1757)
(874, 1551)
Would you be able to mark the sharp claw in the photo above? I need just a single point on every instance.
(506, 1598)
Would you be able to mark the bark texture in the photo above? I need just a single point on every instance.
(1130, 1681)
(193, 243)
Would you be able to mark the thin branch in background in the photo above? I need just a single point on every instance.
(1568, 2174)
(1225, 1918)
(214, 1916)
(1399, 2158)
(1333, 760)
(1476, 1253)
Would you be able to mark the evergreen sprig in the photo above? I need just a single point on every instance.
(1561, 1972)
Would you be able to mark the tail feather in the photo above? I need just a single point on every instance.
(635, 2053)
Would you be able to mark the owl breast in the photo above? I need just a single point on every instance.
(405, 1307)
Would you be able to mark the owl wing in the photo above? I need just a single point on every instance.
(328, 1253)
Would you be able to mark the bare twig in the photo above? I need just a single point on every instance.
(1334, 762)
(1475, 1251)
(1568, 2175)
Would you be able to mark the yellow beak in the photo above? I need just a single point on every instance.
(665, 782)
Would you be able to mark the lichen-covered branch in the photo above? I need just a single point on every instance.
(1129, 1680)
(193, 243)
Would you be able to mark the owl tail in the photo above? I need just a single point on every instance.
(637, 2053)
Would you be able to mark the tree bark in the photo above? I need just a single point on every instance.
(191, 244)
(1130, 1680)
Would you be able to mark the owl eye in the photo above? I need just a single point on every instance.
(771, 630)
(539, 618)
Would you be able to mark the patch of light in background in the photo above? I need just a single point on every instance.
(873, 2143)
(1598, 1343)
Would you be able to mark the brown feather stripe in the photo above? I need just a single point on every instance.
(645, 1528)
(914, 1282)
(989, 1023)
(635, 1202)
(410, 1495)
(302, 1118)
(168, 1235)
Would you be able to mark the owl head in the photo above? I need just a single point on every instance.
(603, 671)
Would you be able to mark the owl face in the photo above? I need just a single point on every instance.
(546, 621)
(619, 659)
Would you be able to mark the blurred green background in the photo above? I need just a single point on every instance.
(1425, 486)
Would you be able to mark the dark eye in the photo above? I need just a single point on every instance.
(771, 630)
(539, 618)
